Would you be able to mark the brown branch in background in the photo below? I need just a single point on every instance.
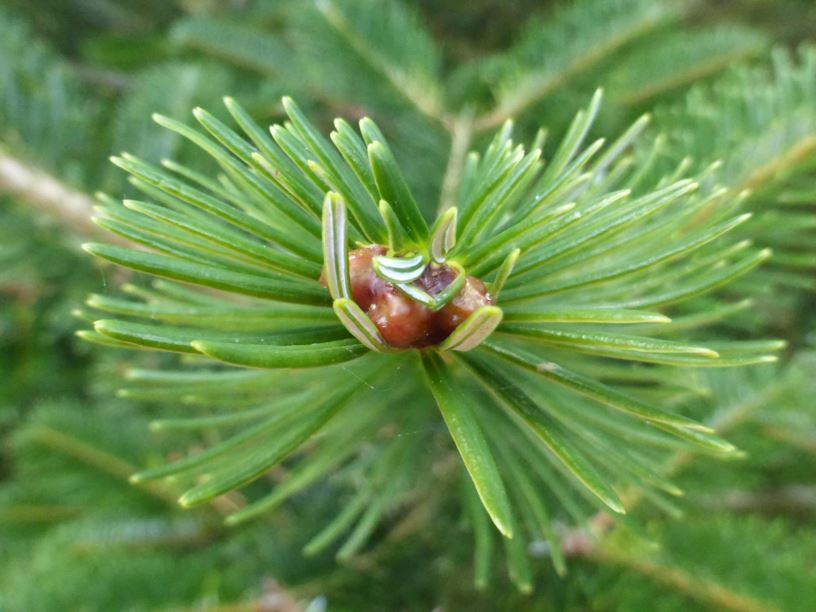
(692, 586)
(27, 293)
(795, 499)
(274, 598)
(584, 541)
(72, 209)
(460, 141)
(99, 459)
(799, 153)
(100, 77)
(540, 87)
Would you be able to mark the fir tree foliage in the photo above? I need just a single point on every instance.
(614, 264)
(39, 99)
(760, 125)
(547, 237)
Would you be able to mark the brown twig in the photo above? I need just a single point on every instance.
(43, 192)
(461, 131)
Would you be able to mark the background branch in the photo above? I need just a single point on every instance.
(69, 207)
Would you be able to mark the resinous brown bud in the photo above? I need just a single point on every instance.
(366, 286)
(471, 297)
(403, 322)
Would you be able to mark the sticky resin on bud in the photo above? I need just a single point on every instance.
(402, 321)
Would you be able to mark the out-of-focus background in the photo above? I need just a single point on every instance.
(78, 82)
